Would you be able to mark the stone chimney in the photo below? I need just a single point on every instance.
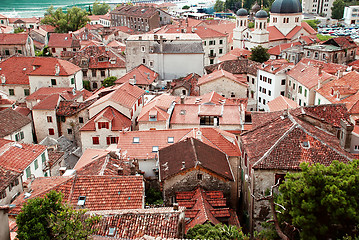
(320, 68)
(345, 135)
(57, 69)
(3, 79)
(132, 80)
(182, 99)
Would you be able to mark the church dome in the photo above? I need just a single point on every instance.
(286, 6)
(242, 12)
(261, 14)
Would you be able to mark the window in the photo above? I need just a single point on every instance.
(316, 55)
(143, 49)
(279, 178)
(94, 85)
(49, 119)
(151, 63)
(300, 102)
(356, 148)
(53, 82)
(252, 80)
(11, 92)
(211, 61)
(308, 54)
(220, 51)
(220, 41)
(155, 149)
(81, 120)
(28, 172)
(84, 72)
(93, 72)
(300, 89)
(3, 194)
(26, 92)
(112, 140)
(143, 60)
(264, 101)
(208, 120)
(136, 140)
(318, 101)
(7, 52)
(95, 140)
(199, 176)
(103, 73)
(51, 131)
(282, 93)
(43, 158)
(103, 125)
(305, 92)
(269, 92)
(81, 201)
(293, 86)
(283, 82)
(170, 139)
(72, 80)
(269, 80)
(260, 89)
(260, 77)
(36, 164)
(204, 42)
(69, 131)
(260, 99)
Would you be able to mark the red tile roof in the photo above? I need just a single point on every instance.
(235, 54)
(89, 156)
(16, 156)
(308, 28)
(125, 94)
(286, 150)
(343, 42)
(23, 110)
(117, 192)
(6, 177)
(157, 106)
(309, 75)
(45, 66)
(63, 40)
(135, 11)
(54, 157)
(142, 74)
(281, 103)
(279, 48)
(159, 223)
(190, 82)
(331, 68)
(239, 66)
(345, 90)
(275, 65)
(71, 107)
(49, 103)
(202, 206)
(219, 74)
(12, 121)
(275, 34)
(195, 154)
(13, 39)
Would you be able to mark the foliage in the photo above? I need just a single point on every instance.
(324, 197)
(219, 6)
(74, 19)
(153, 196)
(313, 23)
(86, 85)
(186, 7)
(259, 54)
(45, 52)
(19, 30)
(323, 37)
(71, 224)
(109, 81)
(250, 24)
(338, 9)
(48, 218)
(219, 231)
(33, 220)
(268, 232)
(231, 4)
(100, 8)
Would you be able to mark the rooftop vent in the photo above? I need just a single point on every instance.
(306, 144)
(111, 231)
(136, 140)
(81, 201)
(183, 112)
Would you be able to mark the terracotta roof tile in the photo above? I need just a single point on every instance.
(11, 121)
(279, 48)
(159, 106)
(218, 74)
(202, 210)
(331, 68)
(275, 65)
(6, 177)
(70, 108)
(23, 110)
(63, 40)
(343, 42)
(142, 74)
(45, 66)
(238, 66)
(117, 119)
(45, 92)
(161, 223)
(234, 54)
(281, 103)
(135, 11)
(49, 103)
(190, 82)
(54, 157)
(13, 39)
(195, 154)
(117, 192)
(16, 156)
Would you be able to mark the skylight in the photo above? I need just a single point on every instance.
(155, 149)
(136, 140)
(170, 139)
(111, 231)
(81, 201)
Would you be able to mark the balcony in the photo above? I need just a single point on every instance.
(211, 55)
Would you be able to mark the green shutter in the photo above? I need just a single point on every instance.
(36, 164)
(43, 158)
(305, 92)
(28, 172)
(72, 81)
(21, 135)
(16, 137)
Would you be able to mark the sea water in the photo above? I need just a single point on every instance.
(37, 8)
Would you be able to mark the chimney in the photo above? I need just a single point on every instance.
(182, 99)
(3, 79)
(183, 165)
(57, 69)
(345, 134)
(120, 171)
(139, 37)
(320, 68)
(132, 81)
(175, 206)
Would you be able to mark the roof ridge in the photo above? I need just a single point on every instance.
(72, 188)
(104, 165)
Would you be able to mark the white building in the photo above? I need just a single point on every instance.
(170, 55)
(271, 81)
(351, 15)
(319, 7)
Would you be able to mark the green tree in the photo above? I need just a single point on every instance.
(338, 9)
(219, 231)
(322, 202)
(19, 30)
(74, 19)
(219, 6)
(48, 218)
(186, 7)
(100, 8)
(313, 23)
(259, 54)
(109, 81)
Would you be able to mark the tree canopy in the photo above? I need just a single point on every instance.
(109, 81)
(74, 19)
(322, 202)
(259, 54)
(48, 218)
(100, 8)
(338, 9)
(219, 231)
(219, 6)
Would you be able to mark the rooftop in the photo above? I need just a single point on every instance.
(141, 74)
(11, 121)
(165, 36)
